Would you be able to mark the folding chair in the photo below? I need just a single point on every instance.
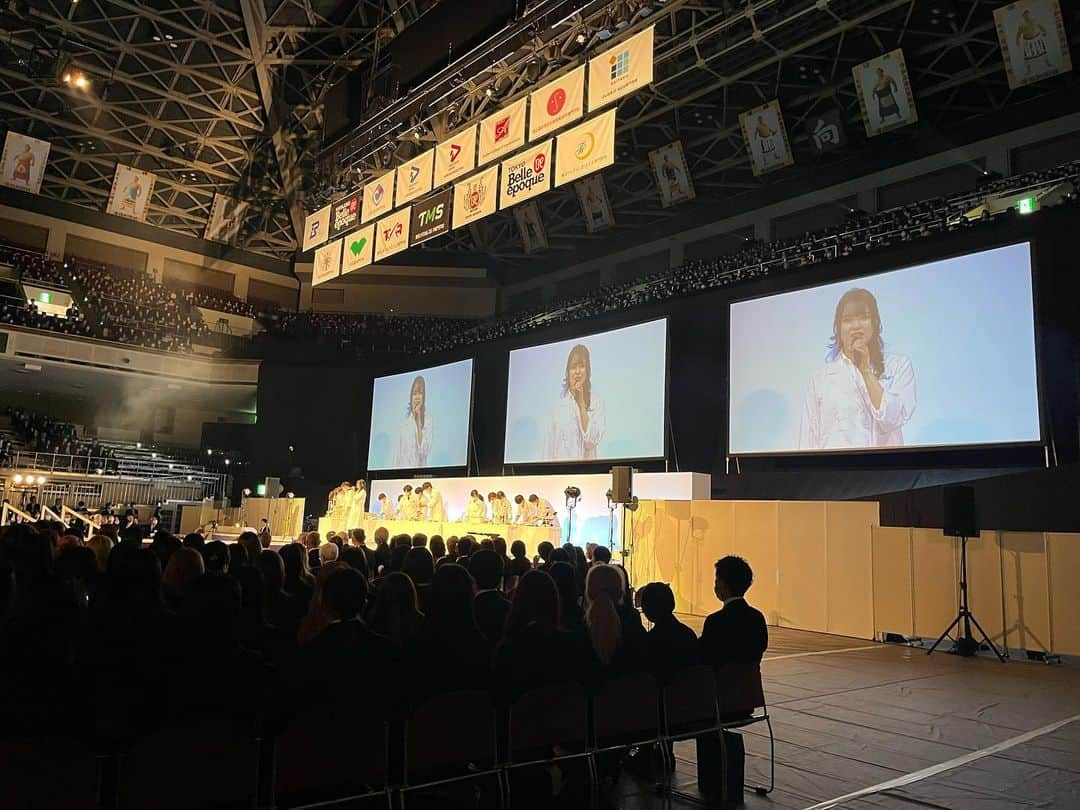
(330, 754)
(739, 694)
(625, 714)
(688, 709)
(450, 739)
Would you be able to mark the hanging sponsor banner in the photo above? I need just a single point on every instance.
(621, 69)
(455, 157)
(884, 93)
(377, 197)
(344, 215)
(226, 219)
(392, 234)
(595, 206)
(431, 216)
(672, 177)
(130, 194)
(316, 228)
(766, 138)
(531, 227)
(586, 148)
(23, 163)
(826, 130)
(327, 264)
(1033, 42)
(557, 103)
(414, 177)
(475, 197)
(357, 248)
(503, 131)
(526, 174)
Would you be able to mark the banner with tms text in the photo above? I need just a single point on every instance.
(344, 215)
(456, 156)
(357, 248)
(557, 103)
(378, 197)
(586, 148)
(503, 131)
(226, 219)
(475, 197)
(526, 175)
(431, 216)
(327, 264)
(23, 163)
(392, 234)
(130, 193)
(414, 177)
(766, 138)
(316, 227)
(621, 69)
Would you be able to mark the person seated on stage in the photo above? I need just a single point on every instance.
(545, 512)
(735, 634)
(419, 540)
(526, 512)
(490, 604)
(670, 645)
(436, 507)
(475, 510)
(386, 507)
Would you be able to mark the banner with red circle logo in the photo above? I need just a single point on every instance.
(526, 175)
(557, 103)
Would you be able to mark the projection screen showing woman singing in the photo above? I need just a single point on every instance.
(577, 419)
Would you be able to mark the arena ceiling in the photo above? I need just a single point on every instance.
(229, 97)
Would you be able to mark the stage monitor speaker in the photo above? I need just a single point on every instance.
(622, 484)
(272, 487)
(959, 512)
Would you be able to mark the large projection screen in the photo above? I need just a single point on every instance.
(936, 355)
(420, 419)
(599, 397)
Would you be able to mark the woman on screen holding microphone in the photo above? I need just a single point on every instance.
(577, 421)
(414, 432)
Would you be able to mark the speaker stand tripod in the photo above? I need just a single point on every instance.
(966, 644)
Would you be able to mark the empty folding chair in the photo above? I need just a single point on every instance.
(740, 699)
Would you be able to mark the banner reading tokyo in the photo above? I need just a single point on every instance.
(420, 419)
(598, 397)
(936, 355)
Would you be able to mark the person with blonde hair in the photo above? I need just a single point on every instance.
(101, 546)
(614, 628)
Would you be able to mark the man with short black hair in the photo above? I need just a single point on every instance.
(490, 604)
(265, 538)
(670, 645)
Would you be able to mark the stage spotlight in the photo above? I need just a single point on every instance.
(100, 471)
(572, 492)
(580, 39)
(633, 505)
(138, 445)
(247, 492)
(290, 495)
(18, 478)
(153, 455)
(227, 462)
(488, 92)
(209, 452)
(41, 479)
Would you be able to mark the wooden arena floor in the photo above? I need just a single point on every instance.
(850, 714)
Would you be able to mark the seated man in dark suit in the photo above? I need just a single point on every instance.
(736, 634)
(490, 604)
(670, 645)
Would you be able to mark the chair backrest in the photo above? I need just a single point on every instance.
(329, 750)
(739, 690)
(548, 717)
(690, 700)
(450, 734)
(627, 709)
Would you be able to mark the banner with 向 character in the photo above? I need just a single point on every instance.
(23, 163)
(226, 219)
(672, 177)
(621, 69)
(316, 228)
(766, 138)
(392, 233)
(357, 248)
(1033, 42)
(503, 131)
(414, 177)
(586, 148)
(595, 206)
(531, 227)
(344, 215)
(456, 156)
(826, 130)
(557, 103)
(476, 197)
(525, 175)
(884, 93)
(327, 264)
(377, 197)
(130, 193)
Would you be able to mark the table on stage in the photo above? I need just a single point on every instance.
(531, 536)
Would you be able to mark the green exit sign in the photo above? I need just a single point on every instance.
(1027, 205)
(260, 490)
(44, 297)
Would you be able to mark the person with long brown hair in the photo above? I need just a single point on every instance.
(862, 396)
(578, 419)
(414, 432)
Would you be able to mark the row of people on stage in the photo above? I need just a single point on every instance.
(425, 502)
(348, 503)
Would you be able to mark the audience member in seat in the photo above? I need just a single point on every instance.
(283, 610)
(615, 643)
(381, 554)
(735, 634)
(184, 566)
(298, 580)
(670, 645)
(535, 650)
(328, 553)
(519, 560)
(311, 542)
(570, 610)
(490, 605)
(396, 612)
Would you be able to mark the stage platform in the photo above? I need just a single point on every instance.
(850, 714)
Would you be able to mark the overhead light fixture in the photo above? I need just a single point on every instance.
(41, 479)
(580, 39)
(18, 478)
